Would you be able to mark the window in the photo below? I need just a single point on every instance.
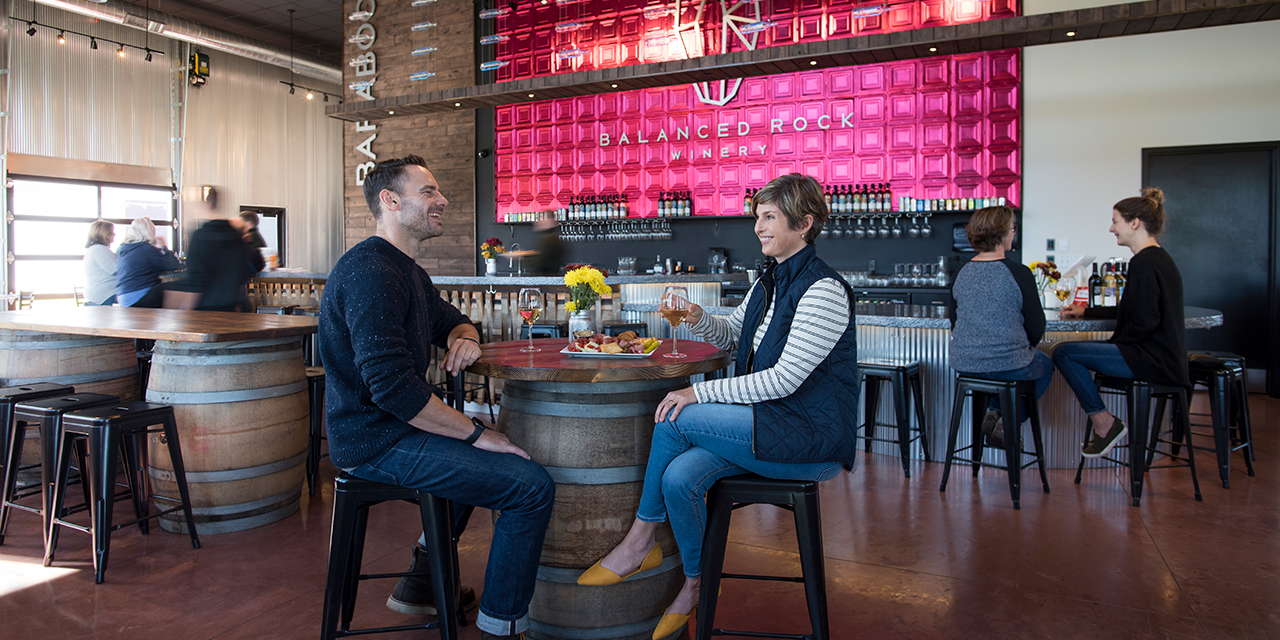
(50, 224)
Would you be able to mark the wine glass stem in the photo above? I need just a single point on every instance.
(674, 342)
(530, 336)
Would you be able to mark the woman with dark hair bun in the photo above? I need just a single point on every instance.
(789, 413)
(1150, 341)
(996, 317)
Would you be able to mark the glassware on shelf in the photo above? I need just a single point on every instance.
(674, 308)
(926, 231)
(529, 304)
(836, 231)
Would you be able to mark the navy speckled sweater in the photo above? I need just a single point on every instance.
(379, 317)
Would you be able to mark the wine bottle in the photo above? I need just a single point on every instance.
(1095, 288)
(1109, 287)
(826, 193)
(1122, 278)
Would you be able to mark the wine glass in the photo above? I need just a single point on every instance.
(674, 308)
(529, 304)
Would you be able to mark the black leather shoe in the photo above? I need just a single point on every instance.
(414, 596)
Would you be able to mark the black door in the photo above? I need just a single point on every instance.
(1221, 202)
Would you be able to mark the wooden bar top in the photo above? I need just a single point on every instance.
(158, 324)
(505, 360)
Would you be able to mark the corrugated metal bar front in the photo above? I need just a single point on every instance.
(1062, 421)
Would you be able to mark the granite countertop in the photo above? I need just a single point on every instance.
(914, 317)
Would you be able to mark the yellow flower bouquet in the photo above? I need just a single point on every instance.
(1046, 274)
(586, 285)
(492, 248)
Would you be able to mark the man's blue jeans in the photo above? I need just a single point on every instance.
(1040, 369)
(521, 490)
(705, 443)
(1076, 361)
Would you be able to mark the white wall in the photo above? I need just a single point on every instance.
(1089, 108)
(261, 146)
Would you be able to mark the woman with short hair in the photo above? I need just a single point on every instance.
(996, 318)
(789, 413)
(143, 257)
(1149, 342)
(100, 265)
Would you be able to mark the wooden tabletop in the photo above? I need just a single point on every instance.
(158, 324)
(505, 360)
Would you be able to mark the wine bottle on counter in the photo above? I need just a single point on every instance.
(1121, 278)
(826, 193)
(1095, 288)
(746, 203)
(1109, 287)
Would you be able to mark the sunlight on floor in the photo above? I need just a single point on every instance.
(16, 575)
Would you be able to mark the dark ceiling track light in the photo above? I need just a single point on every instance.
(310, 93)
(121, 48)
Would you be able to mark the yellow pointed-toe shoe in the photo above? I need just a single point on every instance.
(673, 622)
(598, 576)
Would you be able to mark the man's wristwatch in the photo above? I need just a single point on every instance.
(475, 435)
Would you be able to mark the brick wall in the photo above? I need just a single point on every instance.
(446, 141)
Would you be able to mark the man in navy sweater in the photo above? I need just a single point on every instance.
(379, 318)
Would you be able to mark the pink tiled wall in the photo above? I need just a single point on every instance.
(940, 127)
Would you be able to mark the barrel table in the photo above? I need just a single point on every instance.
(589, 421)
(236, 381)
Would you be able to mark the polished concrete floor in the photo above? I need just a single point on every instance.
(903, 561)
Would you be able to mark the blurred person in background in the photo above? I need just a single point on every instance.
(100, 265)
(143, 257)
(220, 262)
(251, 234)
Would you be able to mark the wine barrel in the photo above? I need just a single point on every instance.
(91, 364)
(594, 441)
(242, 414)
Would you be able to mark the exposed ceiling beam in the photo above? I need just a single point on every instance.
(1087, 24)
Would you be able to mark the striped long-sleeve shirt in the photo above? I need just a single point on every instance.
(821, 317)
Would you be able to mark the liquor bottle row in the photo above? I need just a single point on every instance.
(907, 203)
(841, 200)
(617, 230)
(1106, 285)
(675, 204)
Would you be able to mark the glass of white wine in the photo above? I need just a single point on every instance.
(529, 304)
(674, 308)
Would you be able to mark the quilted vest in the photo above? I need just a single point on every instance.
(815, 423)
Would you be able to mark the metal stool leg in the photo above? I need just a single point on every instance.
(719, 510)
(809, 534)
(918, 395)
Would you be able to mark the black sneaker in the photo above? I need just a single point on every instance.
(1101, 445)
(414, 596)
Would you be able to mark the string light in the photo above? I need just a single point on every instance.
(62, 37)
(120, 51)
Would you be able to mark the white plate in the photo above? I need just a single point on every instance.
(621, 356)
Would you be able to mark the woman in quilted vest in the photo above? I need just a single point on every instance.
(789, 412)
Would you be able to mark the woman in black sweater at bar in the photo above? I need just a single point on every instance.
(1149, 342)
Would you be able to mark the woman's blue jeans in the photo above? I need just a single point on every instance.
(1040, 369)
(521, 490)
(1077, 361)
(705, 443)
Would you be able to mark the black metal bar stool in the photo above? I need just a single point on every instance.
(1138, 395)
(315, 392)
(1225, 376)
(554, 330)
(798, 496)
(352, 498)
(903, 376)
(10, 396)
(457, 387)
(46, 414)
(616, 328)
(1013, 397)
(105, 429)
